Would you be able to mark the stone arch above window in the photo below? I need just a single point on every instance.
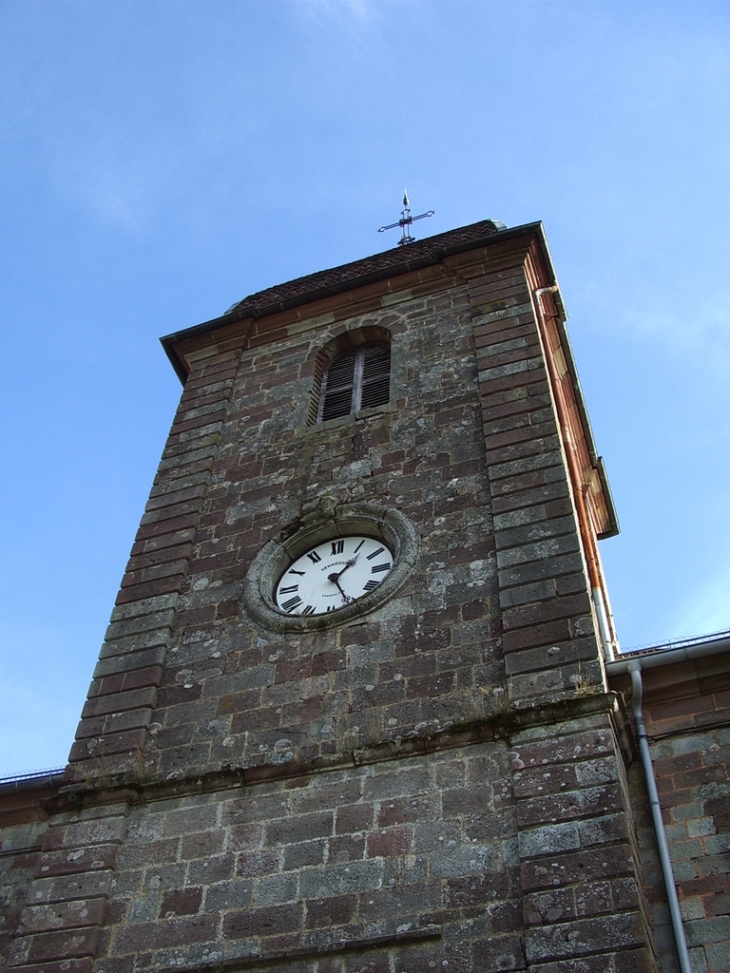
(352, 373)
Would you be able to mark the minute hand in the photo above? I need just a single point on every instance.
(336, 575)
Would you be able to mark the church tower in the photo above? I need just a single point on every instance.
(351, 712)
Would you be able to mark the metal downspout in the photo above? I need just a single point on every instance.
(600, 604)
(634, 668)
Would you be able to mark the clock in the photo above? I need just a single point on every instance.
(337, 563)
(333, 575)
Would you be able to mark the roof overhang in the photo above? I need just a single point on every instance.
(348, 277)
(387, 266)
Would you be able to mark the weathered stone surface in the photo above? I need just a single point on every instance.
(386, 793)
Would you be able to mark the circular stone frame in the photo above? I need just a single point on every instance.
(329, 521)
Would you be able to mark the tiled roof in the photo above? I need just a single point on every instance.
(347, 274)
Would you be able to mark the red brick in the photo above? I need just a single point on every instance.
(181, 424)
(175, 497)
(181, 902)
(73, 861)
(263, 922)
(389, 843)
(136, 678)
(149, 589)
(536, 636)
(335, 911)
(178, 932)
(169, 526)
(172, 569)
(51, 946)
(587, 802)
(554, 871)
(66, 915)
(160, 555)
(592, 743)
(515, 381)
(125, 742)
(119, 702)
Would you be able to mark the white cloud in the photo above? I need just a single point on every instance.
(680, 318)
(359, 10)
(121, 185)
(349, 22)
(707, 610)
(701, 330)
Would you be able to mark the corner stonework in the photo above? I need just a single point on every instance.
(114, 723)
(61, 926)
(578, 858)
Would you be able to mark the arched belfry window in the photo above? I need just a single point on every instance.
(358, 378)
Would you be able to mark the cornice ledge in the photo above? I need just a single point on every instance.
(134, 789)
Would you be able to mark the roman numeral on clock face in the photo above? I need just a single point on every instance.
(332, 575)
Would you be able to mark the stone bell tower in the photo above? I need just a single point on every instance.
(351, 713)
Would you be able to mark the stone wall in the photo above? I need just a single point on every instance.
(23, 825)
(436, 784)
(396, 858)
(235, 694)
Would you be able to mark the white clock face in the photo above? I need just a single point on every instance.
(332, 575)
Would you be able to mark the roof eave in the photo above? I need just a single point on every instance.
(244, 311)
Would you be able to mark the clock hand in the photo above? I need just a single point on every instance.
(348, 565)
(335, 579)
(336, 575)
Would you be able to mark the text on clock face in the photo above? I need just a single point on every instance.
(332, 575)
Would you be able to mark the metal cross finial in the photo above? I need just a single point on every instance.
(405, 222)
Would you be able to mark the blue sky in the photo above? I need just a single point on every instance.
(159, 161)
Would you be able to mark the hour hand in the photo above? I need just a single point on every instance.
(336, 575)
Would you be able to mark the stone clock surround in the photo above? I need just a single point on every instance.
(271, 795)
(329, 519)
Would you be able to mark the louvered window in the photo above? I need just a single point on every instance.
(357, 379)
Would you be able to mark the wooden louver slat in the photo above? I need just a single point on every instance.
(337, 386)
(376, 376)
(357, 379)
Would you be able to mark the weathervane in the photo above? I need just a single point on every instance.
(405, 222)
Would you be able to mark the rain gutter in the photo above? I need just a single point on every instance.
(31, 782)
(667, 655)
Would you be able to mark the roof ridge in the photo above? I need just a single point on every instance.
(350, 272)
